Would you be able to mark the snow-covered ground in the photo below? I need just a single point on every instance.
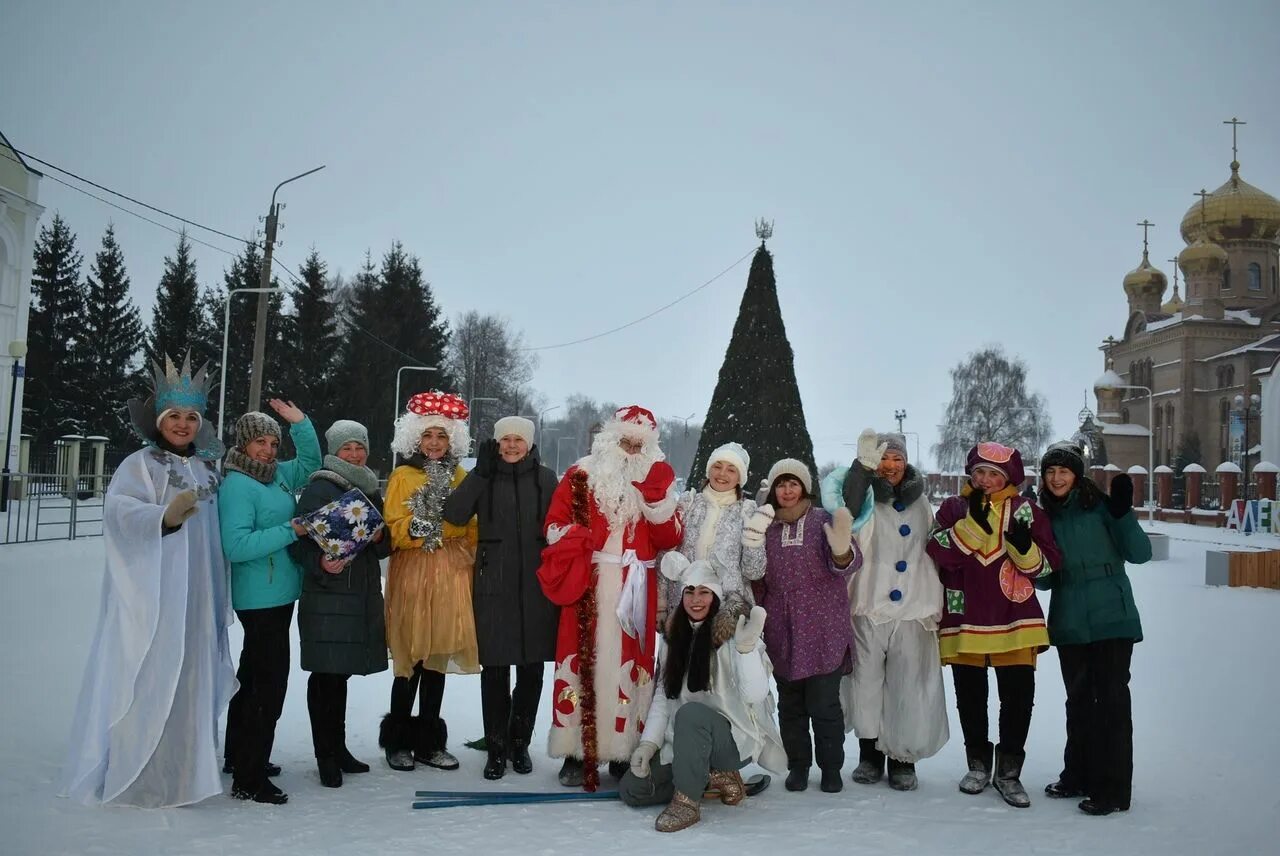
(1206, 700)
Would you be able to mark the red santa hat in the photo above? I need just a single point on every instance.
(433, 409)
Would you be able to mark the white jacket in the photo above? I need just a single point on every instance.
(739, 691)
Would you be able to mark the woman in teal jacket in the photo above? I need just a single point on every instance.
(255, 510)
(1093, 622)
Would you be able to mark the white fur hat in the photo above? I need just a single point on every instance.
(677, 568)
(795, 469)
(516, 425)
(732, 453)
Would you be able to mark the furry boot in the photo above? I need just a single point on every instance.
(395, 737)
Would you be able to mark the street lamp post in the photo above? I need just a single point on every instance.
(17, 350)
(226, 339)
(1151, 443)
(471, 410)
(1247, 408)
(560, 440)
(542, 413)
(395, 405)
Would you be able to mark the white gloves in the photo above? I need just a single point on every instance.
(840, 532)
(641, 757)
(181, 507)
(747, 636)
(869, 452)
(753, 531)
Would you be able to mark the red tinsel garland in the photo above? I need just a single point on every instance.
(586, 648)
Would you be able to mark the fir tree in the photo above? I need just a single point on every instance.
(313, 342)
(756, 401)
(393, 321)
(178, 324)
(112, 341)
(57, 385)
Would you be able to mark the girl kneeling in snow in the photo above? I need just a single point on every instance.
(713, 713)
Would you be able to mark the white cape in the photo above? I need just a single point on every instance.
(145, 730)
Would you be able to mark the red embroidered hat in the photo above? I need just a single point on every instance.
(436, 403)
(998, 457)
(637, 415)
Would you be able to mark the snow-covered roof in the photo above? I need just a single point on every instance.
(1136, 470)
(1175, 318)
(1163, 469)
(1266, 467)
(1193, 468)
(1109, 380)
(1123, 429)
(1269, 343)
(1111, 468)
(1227, 467)
(1168, 392)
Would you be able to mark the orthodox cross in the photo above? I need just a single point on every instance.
(1174, 262)
(1145, 224)
(1235, 125)
(1203, 194)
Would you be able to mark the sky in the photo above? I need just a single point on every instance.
(941, 175)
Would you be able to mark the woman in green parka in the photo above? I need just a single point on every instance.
(1093, 622)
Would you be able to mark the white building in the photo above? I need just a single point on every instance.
(19, 216)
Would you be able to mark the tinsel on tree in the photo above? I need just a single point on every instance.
(756, 400)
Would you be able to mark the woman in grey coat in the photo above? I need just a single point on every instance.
(726, 529)
(509, 491)
(341, 621)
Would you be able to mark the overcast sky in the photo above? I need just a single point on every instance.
(941, 175)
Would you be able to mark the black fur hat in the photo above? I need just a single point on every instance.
(1066, 455)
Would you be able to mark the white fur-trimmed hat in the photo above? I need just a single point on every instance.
(732, 453)
(795, 469)
(677, 568)
(517, 425)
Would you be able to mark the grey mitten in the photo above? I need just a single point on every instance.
(756, 526)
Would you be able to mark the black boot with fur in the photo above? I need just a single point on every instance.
(395, 737)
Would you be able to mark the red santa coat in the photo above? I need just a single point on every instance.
(621, 678)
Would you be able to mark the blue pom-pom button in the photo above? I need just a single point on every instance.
(901, 566)
(904, 530)
(895, 595)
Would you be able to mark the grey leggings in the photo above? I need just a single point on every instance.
(702, 742)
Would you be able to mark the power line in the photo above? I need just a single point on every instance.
(664, 308)
(130, 198)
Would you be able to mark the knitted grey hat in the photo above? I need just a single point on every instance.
(793, 468)
(344, 431)
(894, 443)
(253, 425)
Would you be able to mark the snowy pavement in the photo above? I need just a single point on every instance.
(1206, 700)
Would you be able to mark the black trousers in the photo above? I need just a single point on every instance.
(427, 685)
(327, 707)
(510, 714)
(814, 700)
(1017, 688)
(1099, 755)
(264, 677)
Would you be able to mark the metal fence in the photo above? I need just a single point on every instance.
(51, 507)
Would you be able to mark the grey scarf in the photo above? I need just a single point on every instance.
(361, 477)
(238, 462)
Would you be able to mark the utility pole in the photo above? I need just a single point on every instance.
(264, 297)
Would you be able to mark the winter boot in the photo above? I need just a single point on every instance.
(902, 775)
(349, 763)
(1101, 807)
(267, 793)
(330, 772)
(831, 782)
(496, 766)
(430, 739)
(521, 730)
(729, 784)
(396, 740)
(798, 779)
(870, 767)
(1062, 790)
(979, 776)
(682, 813)
(273, 770)
(1007, 781)
(571, 773)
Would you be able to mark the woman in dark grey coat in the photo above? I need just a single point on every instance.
(509, 490)
(341, 620)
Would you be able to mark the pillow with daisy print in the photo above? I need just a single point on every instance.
(345, 526)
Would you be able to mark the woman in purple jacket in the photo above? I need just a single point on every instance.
(809, 557)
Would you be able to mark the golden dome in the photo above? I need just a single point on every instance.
(1174, 304)
(1202, 257)
(1145, 276)
(1235, 211)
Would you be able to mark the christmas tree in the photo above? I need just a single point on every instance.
(112, 341)
(757, 402)
(57, 381)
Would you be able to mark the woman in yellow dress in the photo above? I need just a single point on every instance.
(430, 623)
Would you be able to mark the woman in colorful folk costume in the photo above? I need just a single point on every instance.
(712, 713)
(430, 626)
(805, 588)
(341, 617)
(256, 510)
(159, 672)
(989, 544)
(610, 515)
(723, 527)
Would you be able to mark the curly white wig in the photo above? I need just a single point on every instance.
(410, 427)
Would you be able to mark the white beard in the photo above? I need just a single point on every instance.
(610, 472)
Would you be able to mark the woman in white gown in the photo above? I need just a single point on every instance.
(159, 674)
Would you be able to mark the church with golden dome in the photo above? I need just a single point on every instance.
(1194, 355)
